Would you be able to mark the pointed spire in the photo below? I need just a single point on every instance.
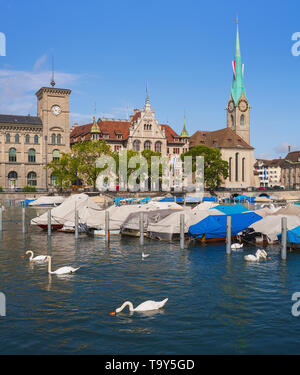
(237, 44)
(147, 94)
(95, 128)
(184, 133)
(52, 83)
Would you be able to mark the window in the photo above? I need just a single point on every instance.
(118, 147)
(27, 138)
(147, 145)
(17, 138)
(136, 145)
(232, 121)
(158, 146)
(176, 150)
(36, 139)
(53, 139)
(31, 179)
(7, 136)
(12, 179)
(119, 136)
(229, 172)
(31, 155)
(243, 169)
(242, 120)
(105, 135)
(55, 154)
(12, 155)
(53, 179)
(147, 127)
(58, 139)
(237, 166)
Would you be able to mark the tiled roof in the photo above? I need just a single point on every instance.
(223, 138)
(293, 156)
(170, 134)
(20, 120)
(270, 163)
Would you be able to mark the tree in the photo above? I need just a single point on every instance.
(215, 169)
(65, 170)
(86, 154)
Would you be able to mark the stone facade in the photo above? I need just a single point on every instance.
(290, 170)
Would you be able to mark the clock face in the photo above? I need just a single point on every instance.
(230, 106)
(55, 109)
(243, 105)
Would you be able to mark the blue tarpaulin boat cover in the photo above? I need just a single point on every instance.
(292, 235)
(231, 209)
(210, 199)
(243, 198)
(214, 226)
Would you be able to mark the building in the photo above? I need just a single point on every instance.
(28, 143)
(290, 170)
(234, 140)
(269, 172)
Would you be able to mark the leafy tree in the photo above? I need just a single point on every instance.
(215, 169)
(86, 154)
(65, 170)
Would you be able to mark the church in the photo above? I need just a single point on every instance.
(234, 140)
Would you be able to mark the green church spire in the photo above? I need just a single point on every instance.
(237, 87)
(95, 128)
(184, 133)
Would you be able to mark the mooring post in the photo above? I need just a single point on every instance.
(142, 228)
(283, 237)
(107, 226)
(181, 231)
(0, 218)
(76, 224)
(49, 222)
(228, 236)
(23, 220)
(184, 200)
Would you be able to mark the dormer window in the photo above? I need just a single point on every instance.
(105, 135)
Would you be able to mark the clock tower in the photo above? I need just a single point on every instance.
(238, 110)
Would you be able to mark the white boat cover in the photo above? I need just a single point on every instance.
(271, 225)
(291, 209)
(47, 201)
(65, 213)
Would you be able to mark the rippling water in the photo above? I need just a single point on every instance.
(217, 304)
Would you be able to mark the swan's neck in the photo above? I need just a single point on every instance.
(49, 265)
(31, 255)
(127, 303)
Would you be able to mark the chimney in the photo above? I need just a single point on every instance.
(74, 125)
(289, 148)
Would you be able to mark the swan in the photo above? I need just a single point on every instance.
(144, 255)
(235, 246)
(259, 254)
(39, 258)
(62, 270)
(145, 306)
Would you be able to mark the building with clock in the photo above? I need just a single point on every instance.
(27, 143)
(234, 140)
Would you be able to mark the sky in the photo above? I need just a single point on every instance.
(106, 51)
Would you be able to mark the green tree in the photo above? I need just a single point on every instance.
(65, 170)
(215, 169)
(86, 154)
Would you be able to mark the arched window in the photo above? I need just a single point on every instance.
(53, 179)
(17, 138)
(7, 137)
(55, 154)
(136, 145)
(237, 166)
(232, 121)
(158, 146)
(36, 139)
(58, 139)
(243, 169)
(230, 168)
(12, 179)
(27, 138)
(53, 139)
(147, 145)
(31, 155)
(242, 120)
(31, 179)
(12, 155)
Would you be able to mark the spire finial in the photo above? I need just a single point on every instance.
(52, 83)
(184, 133)
(237, 20)
(147, 94)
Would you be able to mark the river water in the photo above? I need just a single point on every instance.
(217, 304)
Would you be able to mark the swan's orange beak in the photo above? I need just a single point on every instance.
(22, 256)
(268, 257)
(112, 313)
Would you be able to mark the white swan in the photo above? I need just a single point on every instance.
(39, 258)
(62, 270)
(259, 254)
(144, 255)
(235, 246)
(145, 306)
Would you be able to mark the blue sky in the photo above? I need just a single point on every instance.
(105, 51)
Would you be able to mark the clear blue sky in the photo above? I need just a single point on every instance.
(105, 51)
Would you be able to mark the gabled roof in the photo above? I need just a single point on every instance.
(223, 138)
(293, 156)
(20, 120)
(170, 134)
(269, 163)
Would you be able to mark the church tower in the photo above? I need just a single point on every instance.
(238, 110)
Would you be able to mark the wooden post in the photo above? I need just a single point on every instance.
(76, 224)
(228, 236)
(49, 222)
(23, 220)
(142, 228)
(107, 234)
(181, 231)
(283, 237)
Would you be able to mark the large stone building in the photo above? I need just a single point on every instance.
(28, 143)
(269, 172)
(290, 170)
(234, 140)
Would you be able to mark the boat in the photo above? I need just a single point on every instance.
(292, 238)
(47, 201)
